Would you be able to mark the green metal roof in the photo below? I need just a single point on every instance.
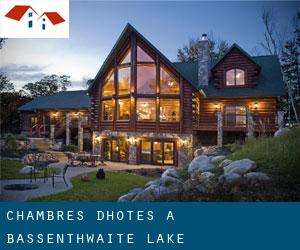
(269, 83)
(62, 100)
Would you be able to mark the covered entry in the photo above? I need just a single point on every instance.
(157, 152)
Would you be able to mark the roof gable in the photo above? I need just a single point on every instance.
(234, 46)
(54, 17)
(18, 11)
(123, 38)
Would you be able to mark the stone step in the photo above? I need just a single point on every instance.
(59, 155)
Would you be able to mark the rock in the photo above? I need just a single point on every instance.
(257, 177)
(127, 197)
(170, 172)
(188, 184)
(212, 150)
(198, 152)
(200, 164)
(170, 193)
(170, 181)
(150, 193)
(230, 178)
(281, 131)
(218, 158)
(156, 182)
(26, 170)
(240, 167)
(135, 190)
(224, 163)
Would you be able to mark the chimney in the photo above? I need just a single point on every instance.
(204, 61)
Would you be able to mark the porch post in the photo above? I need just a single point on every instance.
(280, 119)
(52, 132)
(67, 129)
(220, 129)
(250, 127)
(80, 134)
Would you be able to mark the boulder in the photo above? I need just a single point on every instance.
(218, 158)
(200, 164)
(170, 193)
(198, 152)
(150, 193)
(230, 178)
(281, 131)
(26, 170)
(240, 167)
(257, 177)
(170, 181)
(127, 197)
(155, 182)
(170, 172)
(135, 190)
(224, 163)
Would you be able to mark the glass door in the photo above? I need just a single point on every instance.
(157, 153)
(114, 150)
(146, 151)
(169, 153)
(106, 150)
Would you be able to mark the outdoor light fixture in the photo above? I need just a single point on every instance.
(98, 138)
(216, 105)
(184, 142)
(256, 105)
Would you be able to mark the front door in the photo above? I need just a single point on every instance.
(114, 149)
(157, 152)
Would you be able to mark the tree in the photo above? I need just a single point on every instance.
(2, 41)
(48, 85)
(189, 53)
(5, 84)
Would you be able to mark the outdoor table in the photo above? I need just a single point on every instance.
(42, 165)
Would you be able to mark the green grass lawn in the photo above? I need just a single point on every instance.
(10, 170)
(111, 188)
(280, 154)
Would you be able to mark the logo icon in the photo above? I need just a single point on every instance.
(41, 19)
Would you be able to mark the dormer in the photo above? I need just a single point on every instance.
(236, 69)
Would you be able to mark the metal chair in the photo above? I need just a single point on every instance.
(62, 175)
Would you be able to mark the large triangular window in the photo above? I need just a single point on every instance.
(127, 57)
(142, 56)
(109, 86)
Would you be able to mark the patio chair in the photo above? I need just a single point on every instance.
(39, 167)
(62, 175)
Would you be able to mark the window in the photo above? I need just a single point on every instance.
(43, 26)
(235, 116)
(142, 56)
(235, 77)
(123, 109)
(126, 58)
(44, 19)
(123, 81)
(30, 24)
(146, 79)
(30, 14)
(107, 110)
(109, 86)
(146, 109)
(168, 84)
(169, 110)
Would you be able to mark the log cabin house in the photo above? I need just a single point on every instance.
(143, 109)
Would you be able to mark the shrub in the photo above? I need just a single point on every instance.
(69, 148)
(10, 145)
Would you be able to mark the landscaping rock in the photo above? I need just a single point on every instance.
(200, 164)
(198, 152)
(257, 177)
(212, 150)
(170, 193)
(26, 170)
(135, 190)
(30, 158)
(230, 178)
(127, 197)
(224, 163)
(156, 182)
(281, 131)
(170, 181)
(218, 158)
(240, 167)
(170, 172)
(150, 193)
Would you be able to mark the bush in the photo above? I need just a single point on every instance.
(280, 154)
(69, 148)
(10, 145)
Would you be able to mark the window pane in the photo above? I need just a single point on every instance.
(168, 84)
(123, 80)
(241, 118)
(142, 56)
(126, 58)
(108, 87)
(123, 109)
(168, 153)
(107, 110)
(145, 151)
(146, 79)
(169, 110)
(230, 77)
(157, 152)
(240, 77)
(146, 109)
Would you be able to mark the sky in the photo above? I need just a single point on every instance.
(95, 26)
